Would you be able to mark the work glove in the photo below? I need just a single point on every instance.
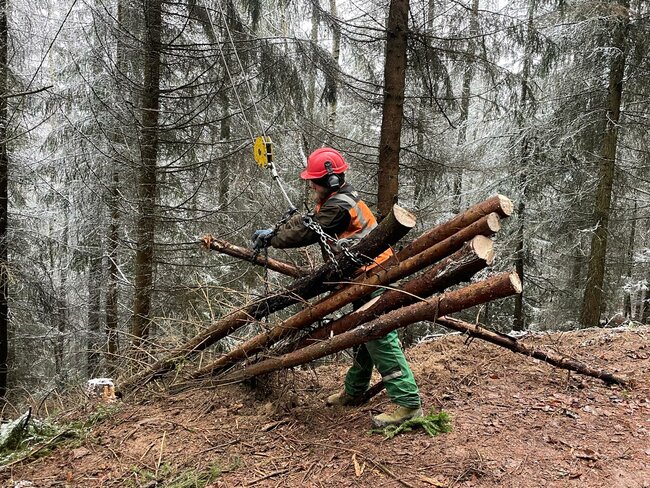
(262, 238)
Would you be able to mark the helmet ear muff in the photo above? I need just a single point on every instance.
(333, 182)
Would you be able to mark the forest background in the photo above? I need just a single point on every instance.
(126, 133)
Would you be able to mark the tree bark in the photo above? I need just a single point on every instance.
(391, 122)
(520, 315)
(62, 260)
(493, 288)
(628, 308)
(147, 178)
(225, 247)
(458, 267)
(4, 199)
(113, 204)
(388, 232)
(498, 204)
(593, 304)
(95, 338)
(112, 338)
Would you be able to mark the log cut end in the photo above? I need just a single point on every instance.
(493, 222)
(516, 282)
(484, 248)
(506, 207)
(218, 245)
(404, 217)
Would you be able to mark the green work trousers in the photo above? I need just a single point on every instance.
(387, 355)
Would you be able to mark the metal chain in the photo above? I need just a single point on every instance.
(355, 257)
(326, 240)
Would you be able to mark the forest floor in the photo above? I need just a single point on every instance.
(517, 422)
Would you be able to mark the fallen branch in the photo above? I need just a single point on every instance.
(25, 93)
(503, 340)
(224, 247)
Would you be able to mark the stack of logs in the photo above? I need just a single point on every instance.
(446, 255)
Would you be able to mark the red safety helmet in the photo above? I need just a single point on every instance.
(317, 163)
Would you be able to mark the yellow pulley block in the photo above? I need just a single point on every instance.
(263, 151)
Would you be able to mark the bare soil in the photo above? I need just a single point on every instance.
(517, 422)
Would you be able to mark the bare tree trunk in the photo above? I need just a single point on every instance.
(628, 309)
(311, 85)
(147, 178)
(391, 122)
(593, 303)
(94, 304)
(224, 137)
(464, 102)
(61, 312)
(283, 267)
(112, 293)
(113, 238)
(520, 251)
(423, 173)
(332, 102)
(4, 199)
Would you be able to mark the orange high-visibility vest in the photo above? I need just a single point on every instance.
(362, 221)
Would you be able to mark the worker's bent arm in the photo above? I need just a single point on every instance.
(332, 218)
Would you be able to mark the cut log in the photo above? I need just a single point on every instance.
(388, 232)
(366, 284)
(457, 268)
(514, 345)
(225, 247)
(493, 288)
(497, 204)
(460, 266)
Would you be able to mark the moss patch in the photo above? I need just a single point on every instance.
(433, 424)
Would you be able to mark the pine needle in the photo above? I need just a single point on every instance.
(433, 424)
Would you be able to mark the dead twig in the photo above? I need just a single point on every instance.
(311, 466)
(162, 447)
(214, 448)
(270, 475)
(365, 458)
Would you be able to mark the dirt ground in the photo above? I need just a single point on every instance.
(517, 422)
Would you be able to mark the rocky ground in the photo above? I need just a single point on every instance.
(517, 422)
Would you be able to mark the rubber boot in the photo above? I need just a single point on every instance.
(396, 417)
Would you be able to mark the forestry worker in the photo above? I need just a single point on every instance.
(341, 214)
